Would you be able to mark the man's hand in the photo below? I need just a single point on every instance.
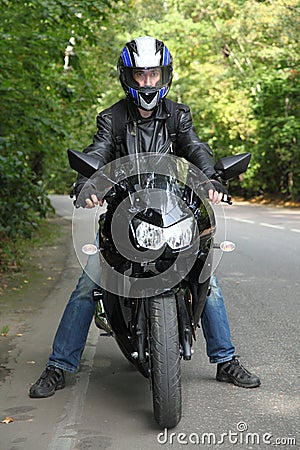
(219, 194)
(87, 197)
(92, 201)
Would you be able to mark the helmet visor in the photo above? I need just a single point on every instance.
(136, 77)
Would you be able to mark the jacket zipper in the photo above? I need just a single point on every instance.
(135, 134)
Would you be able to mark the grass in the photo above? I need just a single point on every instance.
(14, 253)
(4, 330)
(32, 272)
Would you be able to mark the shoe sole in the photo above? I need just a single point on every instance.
(237, 383)
(57, 388)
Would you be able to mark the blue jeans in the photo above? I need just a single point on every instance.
(215, 326)
(71, 335)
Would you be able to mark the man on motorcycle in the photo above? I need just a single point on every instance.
(145, 72)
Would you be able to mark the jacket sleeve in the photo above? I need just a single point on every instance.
(103, 146)
(189, 146)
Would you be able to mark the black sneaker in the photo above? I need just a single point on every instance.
(233, 372)
(51, 380)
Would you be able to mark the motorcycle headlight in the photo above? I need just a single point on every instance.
(180, 234)
(177, 236)
(149, 236)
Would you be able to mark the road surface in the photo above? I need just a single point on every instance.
(107, 405)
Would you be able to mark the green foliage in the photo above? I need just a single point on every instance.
(4, 330)
(23, 203)
(237, 67)
(22, 200)
(44, 105)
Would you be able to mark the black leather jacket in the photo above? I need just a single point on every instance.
(150, 135)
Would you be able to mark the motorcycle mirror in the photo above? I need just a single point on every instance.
(232, 166)
(84, 164)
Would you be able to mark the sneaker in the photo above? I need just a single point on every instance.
(51, 380)
(233, 372)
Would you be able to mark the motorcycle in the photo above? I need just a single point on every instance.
(156, 243)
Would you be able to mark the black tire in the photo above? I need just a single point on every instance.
(165, 361)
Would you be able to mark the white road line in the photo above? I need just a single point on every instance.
(269, 225)
(243, 220)
(264, 224)
(296, 230)
(65, 434)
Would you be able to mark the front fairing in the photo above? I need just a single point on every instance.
(159, 190)
(163, 201)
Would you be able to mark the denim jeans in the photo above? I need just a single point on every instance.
(215, 326)
(71, 335)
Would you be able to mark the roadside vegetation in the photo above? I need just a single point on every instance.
(24, 256)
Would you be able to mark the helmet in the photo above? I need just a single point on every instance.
(145, 53)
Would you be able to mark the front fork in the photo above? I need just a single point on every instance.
(185, 326)
(140, 328)
(141, 332)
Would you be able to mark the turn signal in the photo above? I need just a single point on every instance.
(227, 246)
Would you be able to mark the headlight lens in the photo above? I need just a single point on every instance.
(150, 236)
(176, 236)
(180, 234)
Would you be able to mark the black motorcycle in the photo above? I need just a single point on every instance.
(155, 248)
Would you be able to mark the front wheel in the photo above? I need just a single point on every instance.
(165, 361)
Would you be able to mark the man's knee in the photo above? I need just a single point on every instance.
(215, 294)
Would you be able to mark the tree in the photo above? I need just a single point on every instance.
(237, 66)
(46, 90)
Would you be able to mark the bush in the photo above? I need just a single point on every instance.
(23, 203)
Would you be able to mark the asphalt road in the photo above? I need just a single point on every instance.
(107, 405)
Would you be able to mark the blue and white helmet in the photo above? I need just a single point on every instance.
(145, 53)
